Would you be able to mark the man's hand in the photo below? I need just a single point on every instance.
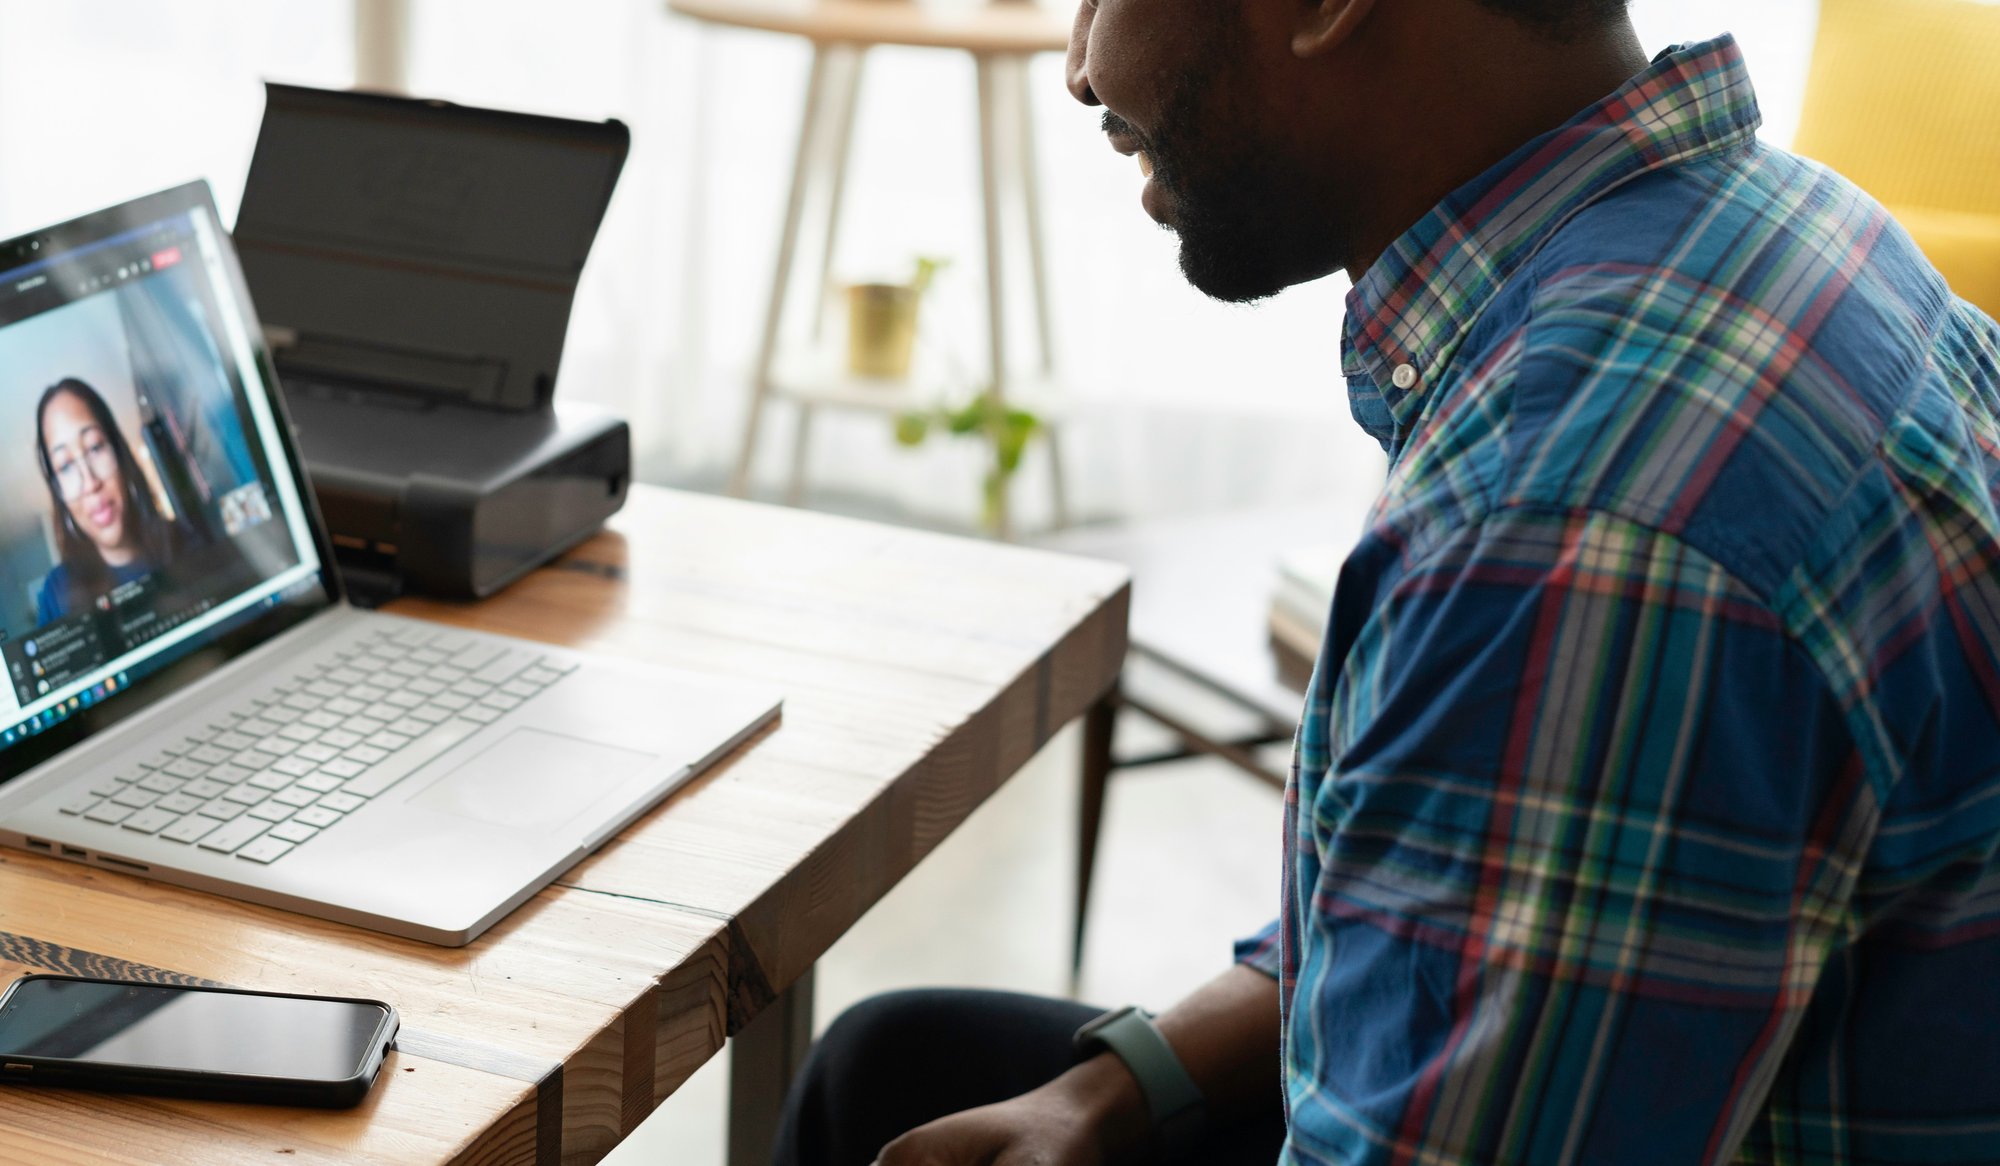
(1226, 1035)
(1089, 1116)
(1036, 1129)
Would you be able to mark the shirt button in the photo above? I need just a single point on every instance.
(1405, 376)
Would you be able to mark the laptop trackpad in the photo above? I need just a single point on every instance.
(532, 780)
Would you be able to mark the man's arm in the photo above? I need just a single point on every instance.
(1225, 1035)
(1579, 833)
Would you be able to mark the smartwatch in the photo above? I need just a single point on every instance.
(1173, 1102)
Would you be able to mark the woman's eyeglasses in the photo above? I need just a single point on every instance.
(99, 459)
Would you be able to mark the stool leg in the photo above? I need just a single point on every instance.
(1028, 161)
(1058, 481)
(382, 45)
(811, 126)
(795, 486)
(1031, 198)
(848, 84)
(990, 163)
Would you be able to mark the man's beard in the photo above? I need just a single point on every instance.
(1231, 207)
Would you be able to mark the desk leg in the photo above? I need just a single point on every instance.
(763, 1059)
(1098, 726)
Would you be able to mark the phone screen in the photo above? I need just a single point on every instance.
(155, 1026)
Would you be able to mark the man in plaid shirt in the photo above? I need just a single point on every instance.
(1647, 800)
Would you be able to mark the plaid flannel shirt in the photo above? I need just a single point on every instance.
(1646, 802)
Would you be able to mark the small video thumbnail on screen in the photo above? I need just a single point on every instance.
(132, 502)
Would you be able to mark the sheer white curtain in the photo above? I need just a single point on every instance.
(1182, 404)
(101, 100)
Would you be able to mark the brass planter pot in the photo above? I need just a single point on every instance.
(881, 329)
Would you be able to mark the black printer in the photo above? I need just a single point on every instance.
(415, 263)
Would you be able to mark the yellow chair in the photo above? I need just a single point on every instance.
(1904, 99)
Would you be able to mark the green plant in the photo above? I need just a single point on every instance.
(1006, 428)
(927, 270)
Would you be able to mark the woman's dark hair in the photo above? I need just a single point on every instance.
(159, 539)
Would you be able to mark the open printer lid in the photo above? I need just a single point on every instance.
(421, 246)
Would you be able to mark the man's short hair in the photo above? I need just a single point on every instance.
(1562, 18)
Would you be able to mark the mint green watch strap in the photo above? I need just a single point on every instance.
(1172, 1099)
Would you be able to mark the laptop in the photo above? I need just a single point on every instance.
(189, 695)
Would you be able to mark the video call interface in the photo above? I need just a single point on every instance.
(136, 503)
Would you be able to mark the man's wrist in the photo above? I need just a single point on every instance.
(1175, 1108)
(1107, 1099)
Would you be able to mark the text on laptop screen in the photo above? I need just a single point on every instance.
(145, 506)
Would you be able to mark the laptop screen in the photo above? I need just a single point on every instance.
(148, 505)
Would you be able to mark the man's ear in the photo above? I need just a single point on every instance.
(1325, 25)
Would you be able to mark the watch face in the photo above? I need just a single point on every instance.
(1086, 1042)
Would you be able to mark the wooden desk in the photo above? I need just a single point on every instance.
(919, 673)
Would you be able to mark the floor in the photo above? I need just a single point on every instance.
(1189, 861)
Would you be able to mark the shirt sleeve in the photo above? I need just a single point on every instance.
(1586, 835)
(1261, 951)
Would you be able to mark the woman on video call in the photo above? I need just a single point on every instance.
(110, 530)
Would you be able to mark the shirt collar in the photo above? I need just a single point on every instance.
(1408, 313)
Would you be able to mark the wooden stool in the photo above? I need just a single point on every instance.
(1001, 37)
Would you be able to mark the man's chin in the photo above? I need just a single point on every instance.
(1221, 275)
(1233, 246)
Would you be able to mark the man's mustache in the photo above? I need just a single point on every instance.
(1113, 124)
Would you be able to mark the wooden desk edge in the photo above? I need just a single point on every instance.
(768, 948)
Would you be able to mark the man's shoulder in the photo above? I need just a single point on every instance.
(1761, 255)
(1716, 351)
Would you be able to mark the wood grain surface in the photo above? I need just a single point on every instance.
(1008, 27)
(919, 672)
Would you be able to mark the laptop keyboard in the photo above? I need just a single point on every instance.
(292, 763)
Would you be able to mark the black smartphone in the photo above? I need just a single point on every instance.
(220, 1043)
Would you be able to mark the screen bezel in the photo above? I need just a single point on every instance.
(50, 244)
(85, 1073)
